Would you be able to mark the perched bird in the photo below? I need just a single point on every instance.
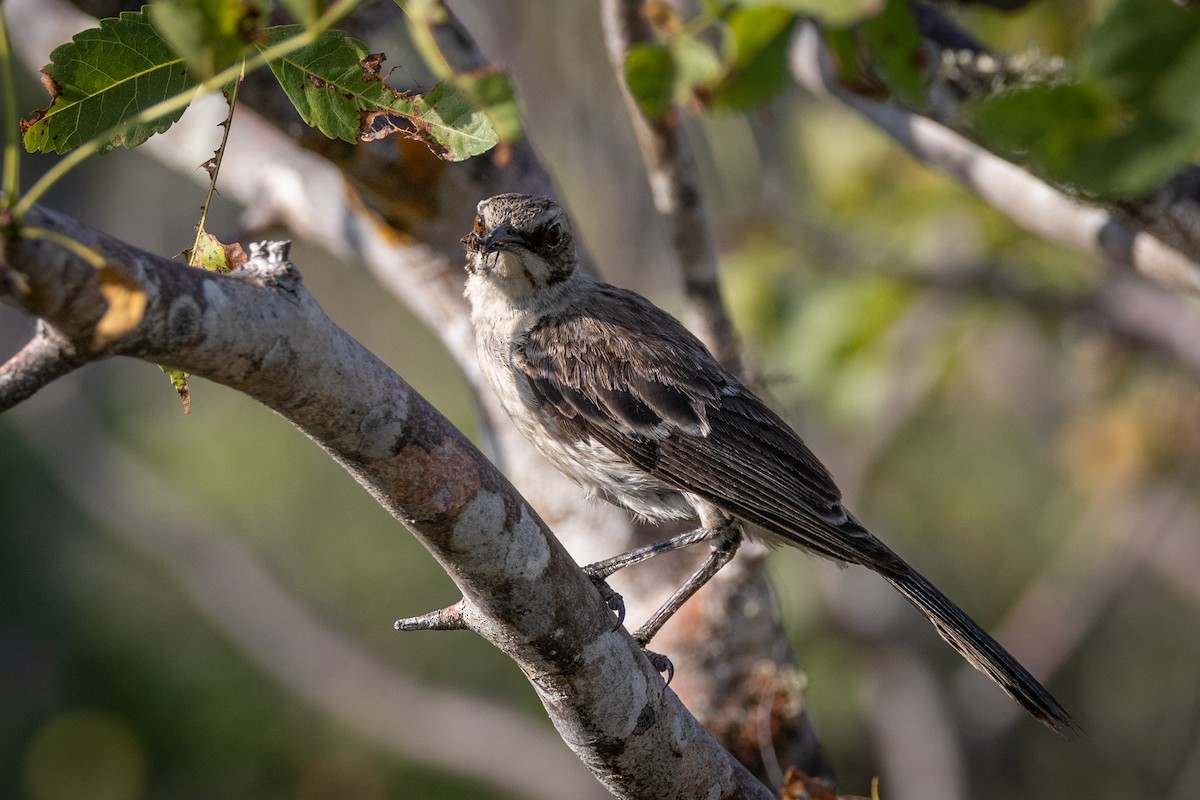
(620, 397)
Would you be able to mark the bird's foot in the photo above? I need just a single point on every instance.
(657, 660)
(611, 598)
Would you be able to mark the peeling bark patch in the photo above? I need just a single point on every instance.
(382, 429)
(440, 482)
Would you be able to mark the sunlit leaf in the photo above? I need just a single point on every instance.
(179, 382)
(103, 77)
(697, 66)
(211, 254)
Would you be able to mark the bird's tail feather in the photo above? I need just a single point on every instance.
(979, 648)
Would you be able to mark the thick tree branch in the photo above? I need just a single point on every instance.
(260, 331)
(1027, 200)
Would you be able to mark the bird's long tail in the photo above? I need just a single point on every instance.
(979, 648)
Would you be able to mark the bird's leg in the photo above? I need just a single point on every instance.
(602, 569)
(729, 538)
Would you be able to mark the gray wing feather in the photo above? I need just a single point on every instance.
(624, 373)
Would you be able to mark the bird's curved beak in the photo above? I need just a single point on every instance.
(501, 237)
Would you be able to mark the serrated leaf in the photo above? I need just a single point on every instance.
(103, 77)
(210, 34)
(756, 56)
(337, 87)
(649, 74)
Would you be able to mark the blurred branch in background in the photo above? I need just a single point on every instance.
(1029, 201)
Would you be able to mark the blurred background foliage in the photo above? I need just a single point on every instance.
(1042, 472)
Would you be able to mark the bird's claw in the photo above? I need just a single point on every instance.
(660, 663)
(611, 598)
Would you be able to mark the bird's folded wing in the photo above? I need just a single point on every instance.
(625, 374)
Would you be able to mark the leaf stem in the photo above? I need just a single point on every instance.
(10, 187)
(218, 157)
(332, 14)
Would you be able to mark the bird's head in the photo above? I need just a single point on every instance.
(521, 243)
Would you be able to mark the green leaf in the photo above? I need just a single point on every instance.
(337, 87)
(210, 34)
(105, 76)
(756, 53)
(897, 51)
(650, 73)
(448, 123)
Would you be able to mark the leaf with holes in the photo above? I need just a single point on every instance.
(337, 86)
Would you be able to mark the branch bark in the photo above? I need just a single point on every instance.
(260, 331)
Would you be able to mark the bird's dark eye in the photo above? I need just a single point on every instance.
(479, 229)
(553, 238)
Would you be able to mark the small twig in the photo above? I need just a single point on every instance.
(449, 618)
